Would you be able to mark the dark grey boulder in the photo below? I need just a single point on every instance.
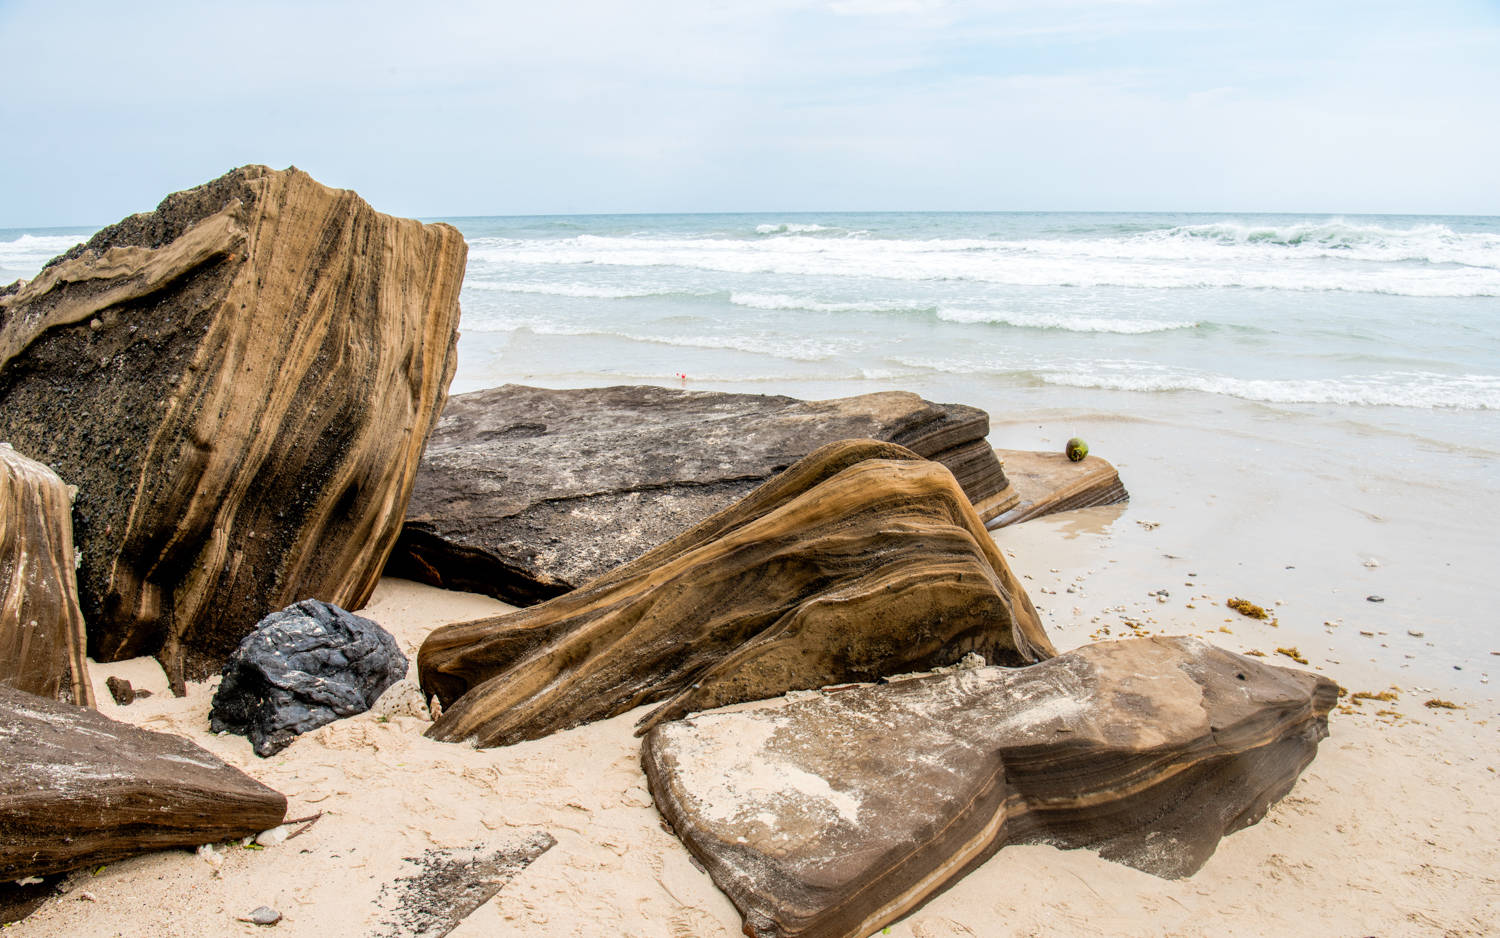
(304, 667)
(526, 493)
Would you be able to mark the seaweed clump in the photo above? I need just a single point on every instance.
(1246, 608)
(1293, 654)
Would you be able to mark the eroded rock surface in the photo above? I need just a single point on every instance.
(240, 384)
(525, 493)
(861, 560)
(837, 813)
(42, 641)
(1046, 483)
(302, 668)
(77, 789)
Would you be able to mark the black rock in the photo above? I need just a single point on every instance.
(303, 667)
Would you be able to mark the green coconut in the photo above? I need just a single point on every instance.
(1076, 449)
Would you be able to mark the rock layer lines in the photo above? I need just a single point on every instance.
(860, 561)
(240, 384)
(837, 814)
(79, 789)
(42, 642)
(1046, 483)
(525, 493)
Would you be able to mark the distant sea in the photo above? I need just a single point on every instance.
(1315, 369)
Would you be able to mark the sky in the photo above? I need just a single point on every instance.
(452, 107)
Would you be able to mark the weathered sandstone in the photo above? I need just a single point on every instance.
(525, 493)
(240, 384)
(1046, 483)
(42, 642)
(860, 561)
(78, 789)
(838, 813)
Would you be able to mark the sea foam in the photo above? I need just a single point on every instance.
(1428, 261)
(580, 290)
(1423, 390)
(778, 301)
(26, 254)
(1063, 323)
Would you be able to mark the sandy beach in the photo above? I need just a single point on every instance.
(1390, 832)
(507, 298)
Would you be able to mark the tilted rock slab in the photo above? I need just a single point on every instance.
(839, 813)
(240, 384)
(77, 788)
(1047, 483)
(42, 642)
(525, 493)
(860, 561)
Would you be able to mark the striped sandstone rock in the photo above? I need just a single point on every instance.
(42, 643)
(240, 384)
(861, 560)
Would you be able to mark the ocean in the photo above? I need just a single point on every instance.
(1309, 405)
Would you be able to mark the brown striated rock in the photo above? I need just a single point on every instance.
(42, 642)
(79, 789)
(861, 560)
(839, 813)
(1046, 483)
(240, 384)
(525, 493)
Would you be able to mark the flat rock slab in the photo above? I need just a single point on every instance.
(240, 384)
(839, 812)
(862, 560)
(1046, 483)
(43, 647)
(450, 883)
(77, 788)
(525, 493)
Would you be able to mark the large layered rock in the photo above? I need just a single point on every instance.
(240, 384)
(78, 789)
(862, 560)
(42, 644)
(837, 814)
(525, 493)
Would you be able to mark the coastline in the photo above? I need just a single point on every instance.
(1360, 526)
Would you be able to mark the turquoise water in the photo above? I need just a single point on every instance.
(1312, 402)
(1376, 311)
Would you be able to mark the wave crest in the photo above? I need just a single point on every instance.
(1063, 323)
(1419, 390)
